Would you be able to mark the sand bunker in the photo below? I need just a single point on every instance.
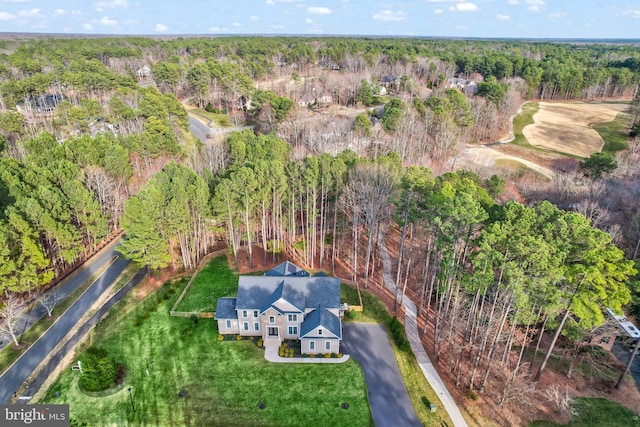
(566, 127)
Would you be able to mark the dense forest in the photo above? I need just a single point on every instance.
(95, 139)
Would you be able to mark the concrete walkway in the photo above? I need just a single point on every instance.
(271, 354)
(411, 329)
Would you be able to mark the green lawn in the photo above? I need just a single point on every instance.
(216, 280)
(521, 120)
(224, 381)
(598, 413)
(615, 133)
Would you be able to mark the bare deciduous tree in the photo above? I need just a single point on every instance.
(50, 300)
(10, 315)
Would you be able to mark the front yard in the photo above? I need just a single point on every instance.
(180, 374)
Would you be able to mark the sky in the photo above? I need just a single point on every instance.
(613, 19)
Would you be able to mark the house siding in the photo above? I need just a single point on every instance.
(279, 322)
(222, 326)
(319, 346)
(250, 319)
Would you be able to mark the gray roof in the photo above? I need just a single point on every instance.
(226, 309)
(324, 318)
(287, 269)
(258, 292)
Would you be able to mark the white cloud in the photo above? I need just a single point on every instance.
(214, 29)
(236, 24)
(390, 16)
(6, 16)
(87, 26)
(254, 18)
(513, 1)
(535, 5)
(29, 13)
(112, 4)
(161, 28)
(464, 7)
(319, 10)
(503, 17)
(557, 15)
(438, 11)
(309, 21)
(634, 13)
(59, 12)
(16, 1)
(277, 27)
(460, 27)
(76, 12)
(107, 22)
(270, 2)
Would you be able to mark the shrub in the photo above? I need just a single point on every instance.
(339, 355)
(327, 355)
(471, 395)
(238, 337)
(220, 337)
(260, 342)
(99, 370)
(353, 315)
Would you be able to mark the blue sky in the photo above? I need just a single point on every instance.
(439, 18)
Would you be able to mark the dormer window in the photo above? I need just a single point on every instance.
(272, 319)
(319, 331)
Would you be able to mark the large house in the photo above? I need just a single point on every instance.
(285, 303)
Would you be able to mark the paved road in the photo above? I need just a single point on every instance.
(68, 286)
(200, 130)
(13, 378)
(56, 359)
(388, 397)
(623, 355)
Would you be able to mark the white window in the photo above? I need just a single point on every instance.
(312, 345)
(293, 318)
(255, 313)
(228, 324)
(272, 319)
(256, 326)
(327, 345)
(246, 326)
(293, 330)
(319, 331)
(244, 313)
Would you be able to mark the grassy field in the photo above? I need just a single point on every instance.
(218, 119)
(8, 354)
(614, 134)
(521, 120)
(222, 381)
(216, 280)
(598, 413)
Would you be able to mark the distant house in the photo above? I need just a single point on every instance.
(43, 105)
(143, 72)
(467, 86)
(285, 303)
(388, 81)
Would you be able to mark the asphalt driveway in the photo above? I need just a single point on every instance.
(388, 397)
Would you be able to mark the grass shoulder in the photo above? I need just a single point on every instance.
(9, 354)
(597, 412)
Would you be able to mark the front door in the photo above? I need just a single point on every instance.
(272, 331)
